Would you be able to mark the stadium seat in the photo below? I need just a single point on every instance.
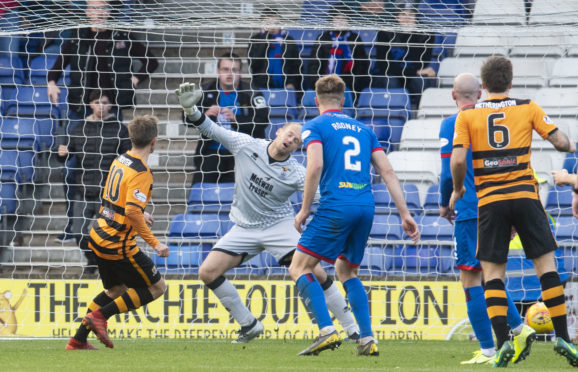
(566, 230)
(530, 41)
(31, 102)
(44, 129)
(305, 40)
(368, 38)
(39, 67)
(482, 41)
(196, 225)
(211, 197)
(271, 265)
(421, 168)
(386, 227)
(309, 110)
(411, 194)
(8, 198)
(254, 266)
(451, 67)
(383, 202)
(8, 165)
(571, 163)
(559, 201)
(315, 11)
(510, 12)
(17, 134)
(445, 13)
(387, 110)
(541, 162)
(184, 258)
(431, 205)
(282, 108)
(421, 134)
(444, 46)
(435, 228)
(530, 72)
(11, 71)
(437, 103)
(564, 73)
(558, 102)
(17, 166)
(553, 12)
(421, 260)
(373, 263)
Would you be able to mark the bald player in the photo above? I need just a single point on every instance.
(466, 93)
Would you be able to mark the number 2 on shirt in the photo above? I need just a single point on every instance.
(349, 164)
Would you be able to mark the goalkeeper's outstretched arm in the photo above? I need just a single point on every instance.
(189, 96)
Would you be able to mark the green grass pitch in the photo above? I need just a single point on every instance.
(259, 355)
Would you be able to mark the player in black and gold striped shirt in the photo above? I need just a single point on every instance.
(128, 275)
(499, 131)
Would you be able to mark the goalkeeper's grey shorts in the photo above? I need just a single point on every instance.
(279, 240)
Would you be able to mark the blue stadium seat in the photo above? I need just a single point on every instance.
(442, 12)
(8, 199)
(16, 166)
(211, 197)
(305, 40)
(431, 205)
(254, 266)
(566, 229)
(387, 110)
(383, 202)
(30, 101)
(17, 134)
(315, 11)
(45, 129)
(411, 195)
(571, 163)
(559, 201)
(184, 258)
(411, 259)
(310, 111)
(196, 225)
(282, 104)
(39, 67)
(435, 228)
(373, 262)
(368, 38)
(11, 71)
(386, 226)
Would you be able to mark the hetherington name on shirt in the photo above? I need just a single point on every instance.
(349, 126)
(259, 185)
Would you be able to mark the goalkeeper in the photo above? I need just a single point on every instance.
(265, 177)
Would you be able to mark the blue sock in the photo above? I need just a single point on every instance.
(478, 314)
(359, 303)
(514, 318)
(312, 294)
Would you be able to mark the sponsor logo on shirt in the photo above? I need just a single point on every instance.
(444, 142)
(122, 159)
(305, 134)
(284, 173)
(107, 213)
(138, 195)
(500, 162)
(351, 185)
(254, 156)
(547, 120)
(259, 102)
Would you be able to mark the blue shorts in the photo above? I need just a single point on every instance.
(466, 235)
(338, 232)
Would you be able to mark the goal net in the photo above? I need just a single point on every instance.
(398, 59)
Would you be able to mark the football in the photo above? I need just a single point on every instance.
(538, 317)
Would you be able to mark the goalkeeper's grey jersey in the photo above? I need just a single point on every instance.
(262, 189)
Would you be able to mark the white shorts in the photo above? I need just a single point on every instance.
(279, 240)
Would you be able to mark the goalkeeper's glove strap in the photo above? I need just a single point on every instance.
(196, 123)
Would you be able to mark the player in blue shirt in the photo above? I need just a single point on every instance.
(340, 151)
(466, 92)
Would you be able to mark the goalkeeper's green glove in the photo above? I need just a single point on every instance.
(189, 95)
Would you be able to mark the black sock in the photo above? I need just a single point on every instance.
(99, 301)
(553, 297)
(132, 299)
(497, 304)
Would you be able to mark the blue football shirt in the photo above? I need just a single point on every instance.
(347, 148)
(467, 206)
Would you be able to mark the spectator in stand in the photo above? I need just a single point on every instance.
(377, 11)
(95, 145)
(274, 59)
(402, 57)
(9, 22)
(231, 103)
(99, 58)
(339, 52)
